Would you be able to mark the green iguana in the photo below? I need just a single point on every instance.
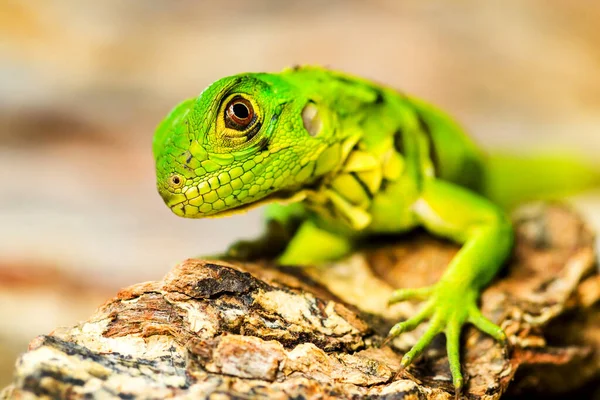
(343, 158)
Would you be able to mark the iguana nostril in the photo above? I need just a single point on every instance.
(175, 181)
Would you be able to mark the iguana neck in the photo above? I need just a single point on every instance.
(346, 193)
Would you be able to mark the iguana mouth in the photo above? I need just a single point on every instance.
(284, 197)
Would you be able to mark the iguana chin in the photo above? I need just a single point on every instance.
(342, 158)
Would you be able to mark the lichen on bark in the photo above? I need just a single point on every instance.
(239, 330)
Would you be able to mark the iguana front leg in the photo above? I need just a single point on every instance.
(312, 245)
(282, 223)
(293, 237)
(487, 236)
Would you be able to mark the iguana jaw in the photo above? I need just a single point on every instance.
(277, 197)
(273, 198)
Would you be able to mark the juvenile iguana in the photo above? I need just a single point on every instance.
(351, 158)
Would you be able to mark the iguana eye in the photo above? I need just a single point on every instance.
(239, 114)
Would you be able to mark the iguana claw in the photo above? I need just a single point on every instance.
(447, 310)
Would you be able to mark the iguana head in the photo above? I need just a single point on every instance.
(245, 140)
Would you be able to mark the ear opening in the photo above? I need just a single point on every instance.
(311, 118)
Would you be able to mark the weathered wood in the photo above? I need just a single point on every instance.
(255, 331)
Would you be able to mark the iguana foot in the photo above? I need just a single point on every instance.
(447, 308)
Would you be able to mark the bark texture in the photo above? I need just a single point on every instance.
(218, 330)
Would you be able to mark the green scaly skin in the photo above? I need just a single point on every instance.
(351, 158)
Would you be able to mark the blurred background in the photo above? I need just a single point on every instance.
(83, 85)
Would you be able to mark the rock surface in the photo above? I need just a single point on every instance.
(221, 330)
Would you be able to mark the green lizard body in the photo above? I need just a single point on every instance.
(352, 158)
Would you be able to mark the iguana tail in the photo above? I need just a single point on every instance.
(513, 179)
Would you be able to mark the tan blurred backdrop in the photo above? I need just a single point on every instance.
(83, 84)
